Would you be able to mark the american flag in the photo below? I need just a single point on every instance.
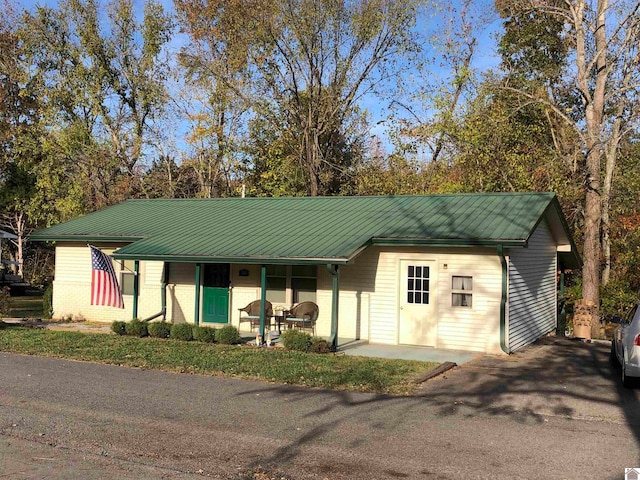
(104, 284)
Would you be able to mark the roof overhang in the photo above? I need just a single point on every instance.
(447, 242)
(8, 235)
(566, 247)
(231, 259)
(84, 238)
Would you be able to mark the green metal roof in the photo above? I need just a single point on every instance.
(307, 229)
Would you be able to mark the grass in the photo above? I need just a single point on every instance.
(26, 306)
(339, 372)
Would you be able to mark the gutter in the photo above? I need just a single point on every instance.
(335, 297)
(503, 301)
(242, 260)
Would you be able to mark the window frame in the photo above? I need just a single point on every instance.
(277, 276)
(462, 292)
(290, 290)
(127, 271)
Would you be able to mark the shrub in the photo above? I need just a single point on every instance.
(204, 334)
(296, 340)
(118, 328)
(228, 335)
(319, 345)
(47, 302)
(159, 329)
(5, 302)
(617, 298)
(136, 328)
(182, 331)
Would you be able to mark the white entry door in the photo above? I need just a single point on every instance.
(418, 322)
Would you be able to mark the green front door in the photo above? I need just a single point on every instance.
(215, 293)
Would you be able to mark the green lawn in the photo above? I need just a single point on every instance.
(26, 306)
(269, 364)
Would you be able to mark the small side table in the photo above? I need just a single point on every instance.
(279, 316)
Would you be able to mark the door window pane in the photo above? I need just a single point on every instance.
(418, 284)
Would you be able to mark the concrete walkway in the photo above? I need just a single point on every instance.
(407, 352)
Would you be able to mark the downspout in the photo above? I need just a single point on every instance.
(561, 322)
(335, 296)
(163, 293)
(163, 296)
(136, 287)
(263, 299)
(196, 317)
(503, 301)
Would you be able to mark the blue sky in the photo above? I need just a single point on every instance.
(379, 111)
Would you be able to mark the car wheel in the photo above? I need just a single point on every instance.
(612, 354)
(627, 382)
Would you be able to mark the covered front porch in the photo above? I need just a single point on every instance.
(219, 291)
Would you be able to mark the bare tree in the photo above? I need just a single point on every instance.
(311, 60)
(602, 71)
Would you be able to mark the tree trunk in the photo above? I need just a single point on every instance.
(311, 162)
(591, 82)
(19, 227)
(610, 165)
(591, 253)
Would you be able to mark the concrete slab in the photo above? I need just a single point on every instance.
(407, 352)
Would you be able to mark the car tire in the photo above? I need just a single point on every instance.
(627, 382)
(612, 354)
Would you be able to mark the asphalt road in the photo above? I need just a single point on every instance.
(556, 410)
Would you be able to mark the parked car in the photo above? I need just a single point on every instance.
(625, 345)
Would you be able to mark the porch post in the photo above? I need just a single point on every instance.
(196, 318)
(136, 286)
(335, 295)
(263, 298)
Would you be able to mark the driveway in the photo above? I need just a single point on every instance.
(551, 411)
(555, 377)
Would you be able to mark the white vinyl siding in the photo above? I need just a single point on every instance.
(374, 280)
(532, 289)
(181, 293)
(475, 328)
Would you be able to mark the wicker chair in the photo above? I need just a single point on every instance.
(252, 314)
(303, 315)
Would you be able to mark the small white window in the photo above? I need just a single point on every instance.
(127, 277)
(461, 291)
